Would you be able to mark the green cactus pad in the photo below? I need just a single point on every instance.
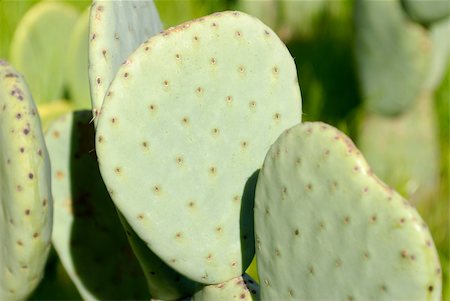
(391, 146)
(116, 29)
(88, 235)
(25, 197)
(164, 283)
(242, 288)
(328, 229)
(77, 63)
(176, 147)
(39, 48)
(427, 11)
(392, 54)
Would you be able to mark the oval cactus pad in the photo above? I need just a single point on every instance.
(25, 197)
(184, 126)
(328, 229)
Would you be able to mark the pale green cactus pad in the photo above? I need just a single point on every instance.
(242, 288)
(404, 151)
(116, 29)
(25, 197)
(328, 229)
(164, 283)
(392, 54)
(88, 235)
(40, 45)
(197, 131)
(427, 11)
(77, 63)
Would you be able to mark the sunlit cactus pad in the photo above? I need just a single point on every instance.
(88, 235)
(328, 229)
(25, 197)
(116, 28)
(184, 125)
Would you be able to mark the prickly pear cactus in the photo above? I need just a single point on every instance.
(164, 283)
(392, 54)
(328, 229)
(88, 235)
(404, 151)
(77, 63)
(39, 48)
(25, 197)
(427, 11)
(206, 119)
(116, 29)
(239, 288)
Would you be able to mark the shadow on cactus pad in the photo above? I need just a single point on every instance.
(89, 237)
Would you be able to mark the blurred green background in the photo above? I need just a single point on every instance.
(321, 36)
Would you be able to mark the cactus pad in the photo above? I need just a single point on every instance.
(328, 229)
(391, 147)
(242, 288)
(116, 29)
(391, 51)
(88, 235)
(25, 197)
(197, 130)
(39, 48)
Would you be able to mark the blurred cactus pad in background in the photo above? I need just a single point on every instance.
(225, 150)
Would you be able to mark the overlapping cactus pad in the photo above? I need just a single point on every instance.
(25, 198)
(328, 229)
(184, 127)
(242, 288)
(116, 28)
(88, 235)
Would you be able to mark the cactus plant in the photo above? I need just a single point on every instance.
(25, 198)
(45, 24)
(328, 229)
(116, 29)
(192, 130)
